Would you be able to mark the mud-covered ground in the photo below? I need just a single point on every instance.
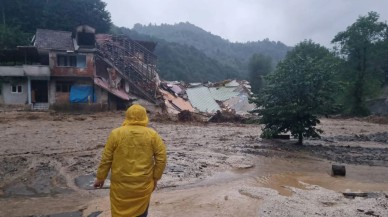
(213, 169)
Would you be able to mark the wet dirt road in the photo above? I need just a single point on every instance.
(213, 169)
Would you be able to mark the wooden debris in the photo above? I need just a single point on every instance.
(350, 194)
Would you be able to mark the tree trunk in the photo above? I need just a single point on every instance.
(300, 139)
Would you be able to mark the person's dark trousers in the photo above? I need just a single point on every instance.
(145, 213)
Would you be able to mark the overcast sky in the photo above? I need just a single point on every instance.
(288, 21)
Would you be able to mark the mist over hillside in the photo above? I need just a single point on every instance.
(182, 62)
(186, 51)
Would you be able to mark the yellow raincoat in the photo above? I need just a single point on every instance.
(136, 156)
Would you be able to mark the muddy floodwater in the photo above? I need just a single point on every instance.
(48, 162)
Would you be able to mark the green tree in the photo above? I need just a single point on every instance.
(358, 47)
(298, 91)
(65, 15)
(382, 57)
(259, 66)
(21, 18)
(10, 37)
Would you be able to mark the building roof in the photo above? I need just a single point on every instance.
(53, 39)
(201, 99)
(178, 102)
(223, 93)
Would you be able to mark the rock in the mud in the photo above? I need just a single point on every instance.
(95, 214)
(338, 170)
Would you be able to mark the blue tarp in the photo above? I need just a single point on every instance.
(81, 93)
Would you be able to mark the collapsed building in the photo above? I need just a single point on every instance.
(84, 70)
(229, 95)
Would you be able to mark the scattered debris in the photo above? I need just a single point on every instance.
(371, 213)
(230, 97)
(185, 116)
(226, 116)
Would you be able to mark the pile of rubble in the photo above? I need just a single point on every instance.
(225, 101)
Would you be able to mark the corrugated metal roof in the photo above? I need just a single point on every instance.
(223, 93)
(202, 100)
(52, 39)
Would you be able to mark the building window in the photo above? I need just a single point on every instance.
(16, 88)
(71, 60)
(81, 61)
(63, 86)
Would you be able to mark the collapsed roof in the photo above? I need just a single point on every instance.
(225, 95)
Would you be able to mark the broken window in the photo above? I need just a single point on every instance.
(16, 88)
(86, 39)
(63, 86)
(71, 60)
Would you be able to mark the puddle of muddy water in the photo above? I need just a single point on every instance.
(278, 174)
(87, 181)
(67, 214)
(41, 181)
(70, 214)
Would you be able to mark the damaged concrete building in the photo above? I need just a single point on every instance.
(62, 69)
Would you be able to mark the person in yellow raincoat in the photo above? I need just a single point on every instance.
(136, 156)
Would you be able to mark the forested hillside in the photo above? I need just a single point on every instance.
(234, 55)
(182, 62)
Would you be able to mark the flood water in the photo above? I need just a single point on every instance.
(278, 173)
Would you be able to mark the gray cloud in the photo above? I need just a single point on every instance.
(288, 21)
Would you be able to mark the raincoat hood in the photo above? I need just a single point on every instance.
(136, 115)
